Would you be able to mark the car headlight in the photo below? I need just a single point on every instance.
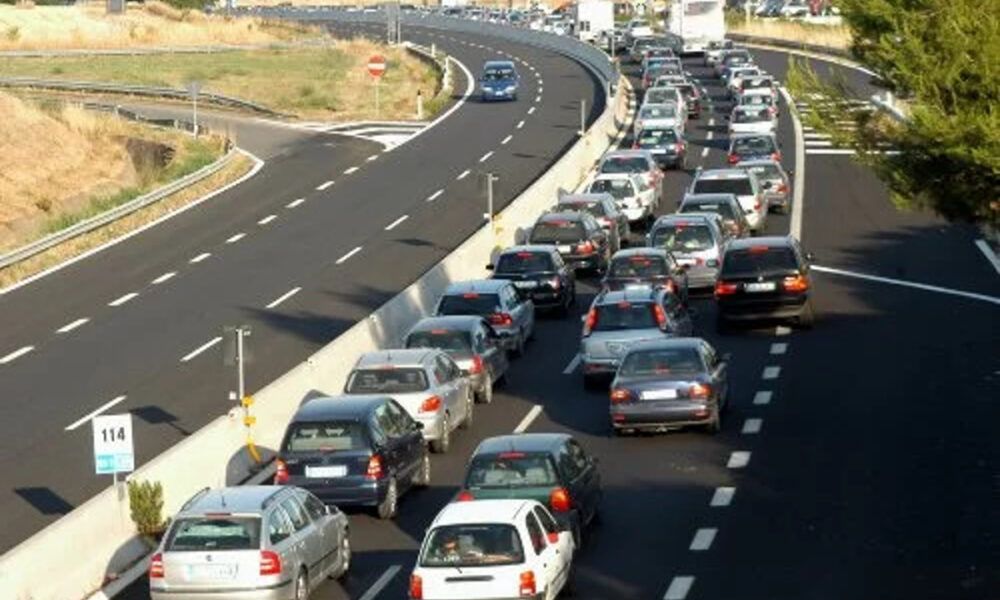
(511, 89)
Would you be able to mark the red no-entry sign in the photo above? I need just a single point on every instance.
(376, 66)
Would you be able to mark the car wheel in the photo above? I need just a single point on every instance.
(485, 396)
(469, 407)
(519, 350)
(387, 508)
(807, 319)
(423, 476)
(441, 445)
(577, 533)
(715, 425)
(345, 557)
(301, 586)
(569, 588)
(503, 380)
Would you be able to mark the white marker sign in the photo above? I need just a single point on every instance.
(113, 450)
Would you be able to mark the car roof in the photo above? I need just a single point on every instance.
(488, 286)
(498, 64)
(522, 442)
(722, 174)
(540, 248)
(482, 511)
(738, 136)
(241, 499)
(633, 153)
(760, 162)
(348, 407)
(453, 322)
(605, 176)
(588, 197)
(713, 197)
(773, 241)
(664, 343)
(639, 251)
(561, 215)
(403, 357)
(707, 217)
(639, 293)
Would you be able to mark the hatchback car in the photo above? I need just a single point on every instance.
(695, 241)
(637, 162)
(760, 98)
(471, 342)
(730, 58)
(354, 451)
(577, 236)
(663, 95)
(263, 542)
(753, 146)
(714, 51)
(764, 278)
(646, 266)
(668, 384)
(550, 468)
(540, 273)
(619, 318)
(751, 119)
(727, 207)
(603, 208)
(499, 81)
(659, 115)
(774, 180)
(740, 182)
(493, 549)
(632, 195)
(511, 313)
(666, 144)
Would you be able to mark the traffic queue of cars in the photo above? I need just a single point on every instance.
(525, 502)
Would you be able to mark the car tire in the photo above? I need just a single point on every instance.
(441, 445)
(519, 349)
(469, 412)
(577, 533)
(387, 508)
(807, 318)
(301, 585)
(569, 588)
(503, 380)
(345, 558)
(422, 478)
(715, 425)
(486, 395)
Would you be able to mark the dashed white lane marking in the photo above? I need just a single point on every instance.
(187, 357)
(540, 82)
(123, 299)
(528, 418)
(200, 257)
(531, 110)
(324, 185)
(71, 326)
(762, 398)
(463, 175)
(679, 587)
(165, 277)
(284, 297)
(538, 98)
(393, 225)
(344, 258)
(752, 426)
(381, 582)
(435, 196)
(505, 140)
(267, 219)
(16, 354)
(90, 416)
(573, 364)
(738, 459)
(486, 156)
(710, 135)
(782, 330)
(779, 348)
(910, 284)
(372, 157)
(295, 203)
(723, 496)
(236, 238)
(989, 253)
(541, 90)
(350, 170)
(520, 124)
(703, 539)
(704, 152)
(771, 372)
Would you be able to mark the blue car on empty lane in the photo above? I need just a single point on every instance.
(499, 81)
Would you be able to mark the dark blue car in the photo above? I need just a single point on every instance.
(499, 81)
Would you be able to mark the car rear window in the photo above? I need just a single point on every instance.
(683, 238)
(524, 262)
(758, 261)
(624, 315)
(638, 266)
(738, 186)
(660, 96)
(753, 145)
(511, 469)
(473, 545)
(756, 100)
(617, 164)
(212, 533)
(765, 171)
(592, 208)
(666, 361)
(325, 436)
(557, 232)
(752, 115)
(723, 208)
(618, 188)
(652, 138)
(469, 304)
(665, 111)
(445, 339)
(387, 381)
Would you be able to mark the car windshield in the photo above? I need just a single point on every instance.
(665, 361)
(753, 115)
(660, 95)
(498, 74)
(524, 262)
(652, 138)
(759, 260)
(765, 172)
(473, 545)
(753, 145)
(445, 339)
(325, 437)
(665, 111)
(469, 304)
(622, 164)
(618, 188)
(387, 381)
(723, 208)
(738, 186)
(557, 232)
(624, 315)
(511, 469)
(200, 534)
(683, 237)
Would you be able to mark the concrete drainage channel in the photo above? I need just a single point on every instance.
(97, 541)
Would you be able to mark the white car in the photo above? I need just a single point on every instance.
(489, 549)
(741, 183)
(661, 116)
(751, 119)
(667, 94)
(715, 50)
(632, 195)
(735, 78)
(759, 97)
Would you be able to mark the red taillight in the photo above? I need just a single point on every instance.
(501, 319)
(776, 156)
(559, 500)
(796, 283)
(591, 322)
(432, 404)
(733, 159)
(781, 189)
(756, 205)
(156, 567)
(374, 470)
(555, 283)
(465, 496)
(678, 147)
(527, 587)
(619, 396)
(723, 288)
(660, 315)
(477, 365)
(416, 587)
(699, 391)
(635, 145)
(270, 563)
(671, 286)
(586, 248)
(280, 472)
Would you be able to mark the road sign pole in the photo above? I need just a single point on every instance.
(241, 381)
(195, 111)
(376, 97)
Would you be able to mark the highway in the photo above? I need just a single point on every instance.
(859, 459)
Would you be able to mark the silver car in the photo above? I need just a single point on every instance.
(739, 182)
(498, 301)
(696, 240)
(250, 543)
(471, 342)
(774, 180)
(659, 115)
(425, 382)
(622, 317)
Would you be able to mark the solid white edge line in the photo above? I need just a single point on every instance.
(738, 459)
(703, 539)
(463, 175)
(201, 348)
(722, 496)
(165, 277)
(752, 426)
(267, 219)
(97, 412)
(123, 299)
(573, 364)
(16, 354)
(236, 238)
(991, 256)
(909, 284)
(295, 203)
(486, 156)
(380, 583)
(200, 257)
(762, 397)
(258, 165)
(395, 223)
(679, 587)
(528, 418)
(324, 185)
(469, 88)
(344, 258)
(799, 183)
(71, 326)
(435, 196)
(284, 297)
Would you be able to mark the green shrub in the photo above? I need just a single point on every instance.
(145, 501)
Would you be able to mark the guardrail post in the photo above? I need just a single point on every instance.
(420, 105)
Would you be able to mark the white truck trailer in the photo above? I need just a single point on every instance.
(697, 22)
(593, 19)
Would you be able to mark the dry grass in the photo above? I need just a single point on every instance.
(36, 264)
(153, 24)
(833, 36)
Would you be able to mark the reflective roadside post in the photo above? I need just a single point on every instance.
(235, 354)
(488, 180)
(193, 88)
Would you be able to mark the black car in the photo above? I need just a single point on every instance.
(354, 451)
(601, 205)
(577, 236)
(539, 273)
(764, 278)
(668, 384)
(647, 266)
(725, 205)
(551, 468)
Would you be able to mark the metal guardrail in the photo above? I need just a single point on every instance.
(791, 45)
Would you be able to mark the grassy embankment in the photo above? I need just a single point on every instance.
(832, 36)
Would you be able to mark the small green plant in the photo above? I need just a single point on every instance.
(13, 33)
(44, 204)
(145, 501)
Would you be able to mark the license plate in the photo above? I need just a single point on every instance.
(658, 395)
(686, 261)
(211, 571)
(326, 472)
(564, 249)
(767, 286)
(524, 285)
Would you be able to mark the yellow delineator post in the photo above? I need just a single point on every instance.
(249, 421)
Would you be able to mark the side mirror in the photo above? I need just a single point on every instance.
(490, 267)
(419, 425)
(553, 537)
(810, 256)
